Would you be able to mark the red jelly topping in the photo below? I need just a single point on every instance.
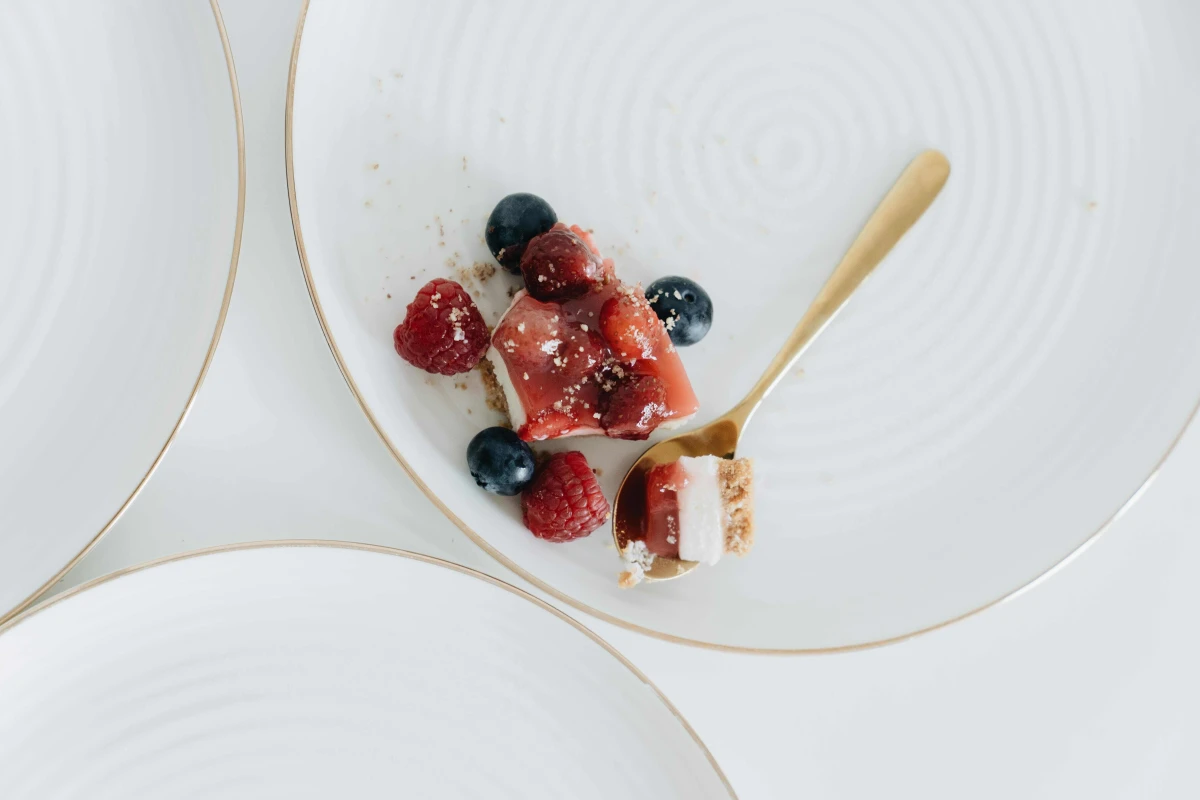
(662, 509)
(564, 362)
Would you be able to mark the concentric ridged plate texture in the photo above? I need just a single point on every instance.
(119, 218)
(994, 395)
(303, 671)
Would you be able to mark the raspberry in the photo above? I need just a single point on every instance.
(559, 265)
(443, 332)
(564, 502)
(634, 408)
(630, 325)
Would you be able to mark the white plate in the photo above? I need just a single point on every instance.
(321, 670)
(120, 218)
(998, 391)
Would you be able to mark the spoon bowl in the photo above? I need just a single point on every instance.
(908, 199)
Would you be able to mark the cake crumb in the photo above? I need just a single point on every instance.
(464, 163)
(736, 479)
(480, 272)
(638, 559)
(494, 392)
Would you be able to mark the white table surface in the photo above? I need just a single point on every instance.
(1084, 686)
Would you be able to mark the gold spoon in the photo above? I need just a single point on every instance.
(909, 198)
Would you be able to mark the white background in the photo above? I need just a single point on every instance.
(1084, 686)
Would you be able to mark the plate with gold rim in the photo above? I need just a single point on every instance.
(308, 669)
(120, 222)
(989, 401)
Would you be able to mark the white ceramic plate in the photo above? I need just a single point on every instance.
(316, 670)
(1000, 389)
(120, 217)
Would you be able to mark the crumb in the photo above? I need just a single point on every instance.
(389, 297)
(451, 263)
(397, 74)
(493, 392)
(374, 166)
(441, 244)
(502, 119)
(599, 471)
(412, 277)
(1092, 205)
(469, 411)
(736, 479)
(429, 382)
(441, 227)
(799, 373)
(367, 203)
(462, 387)
(479, 272)
(388, 182)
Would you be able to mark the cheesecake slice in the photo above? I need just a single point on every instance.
(588, 359)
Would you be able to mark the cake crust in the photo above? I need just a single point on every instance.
(494, 392)
(736, 479)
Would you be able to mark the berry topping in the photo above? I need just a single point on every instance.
(684, 308)
(443, 331)
(500, 462)
(629, 325)
(542, 339)
(514, 222)
(564, 502)
(559, 265)
(662, 509)
(634, 408)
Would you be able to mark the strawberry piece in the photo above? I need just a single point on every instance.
(543, 340)
(443, 331)
(564, 502)
(634, 408)
(630, 325)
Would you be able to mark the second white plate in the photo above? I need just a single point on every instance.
(1004, 384)
(121, 199)
(295, 670)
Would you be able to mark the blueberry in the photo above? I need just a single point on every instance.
(684, 308)
(514, 221)
(499, 461)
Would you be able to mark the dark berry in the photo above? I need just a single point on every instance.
(685, 309)
(443, 331)
(634, 408)
(564, 501)
(559, 265)
(500, 462)
(514, 222)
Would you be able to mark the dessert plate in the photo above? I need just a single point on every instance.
(996, 393)
(120, 222)
(322, 670)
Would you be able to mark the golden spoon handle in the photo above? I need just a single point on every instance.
(909, 198)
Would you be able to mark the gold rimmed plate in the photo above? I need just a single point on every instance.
(120, 224)
(997, 392)
(308, 675)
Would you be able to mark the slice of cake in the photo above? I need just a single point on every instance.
(578, 352)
